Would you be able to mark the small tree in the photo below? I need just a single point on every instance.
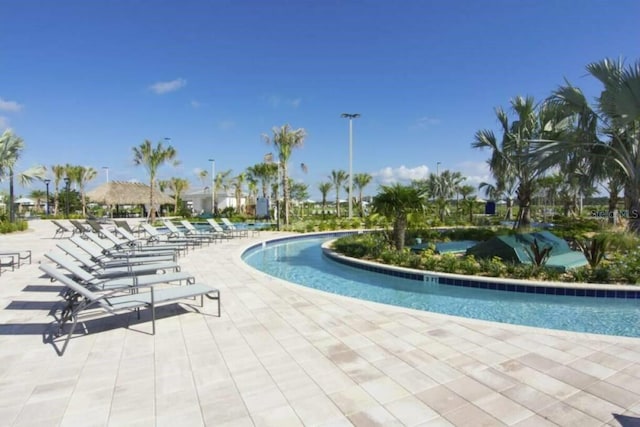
(396, 202)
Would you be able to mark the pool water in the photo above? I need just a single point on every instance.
(301, 261)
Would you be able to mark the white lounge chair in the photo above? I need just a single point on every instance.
(115, 301)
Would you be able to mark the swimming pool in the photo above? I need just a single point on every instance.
(301, 261)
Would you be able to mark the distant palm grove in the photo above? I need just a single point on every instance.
(558, 151)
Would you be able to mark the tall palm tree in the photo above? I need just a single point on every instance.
(152, 158)
(285, 139)
(11, 147)
(85, 174)
(58, 172)
(324, 188)
(397, 202)
(178, 186)
(361, 180)
(222, 183)
(38, 195)
(265, 173)
(466, 191)
(512, 156)
(609, 130)
(238, 182)
(202, 176)
(338, 177)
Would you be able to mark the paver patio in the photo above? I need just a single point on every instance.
(285, 355)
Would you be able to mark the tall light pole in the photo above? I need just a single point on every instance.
(67, 186)
(213, 186)
(106, 170)
(438, 169)
(46, 182)
(350, 116)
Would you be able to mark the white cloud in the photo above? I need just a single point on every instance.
(474, 172)
(11, 106)
(426, 122)
(391, 175)
(4, 124)
(276, 101)
(161, 88)
(226, 125)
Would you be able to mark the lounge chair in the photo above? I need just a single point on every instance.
(118, 249)
(241, 232)
(101, 283)
(79, 227)
(118, 259)
(106, 271)
(61, 229)
(218, 228)
(121, 223)
(147, 243)
(135, 244)
(191, 230)
(175, 232)
(156, 236)
(95, 226)
(115, 301)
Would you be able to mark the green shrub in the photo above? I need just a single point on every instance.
(9, 227)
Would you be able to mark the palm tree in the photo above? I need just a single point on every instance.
(285, 139)
(265, 173)
(511, 157)
(85, 174)
(361, 180)
(177, 186)
(466, 191)
(152, 158)
(338, 177)
(38, 195)
(396, 202)
(11, 147)
(202, 176)
(324, 188)
(58, 173)
(238, 182)
(222, 184)
(615, 115)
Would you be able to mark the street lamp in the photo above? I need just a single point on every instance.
(106, 169)
(67, 185)
(350, 116)
(213, 187)
(46, 182)
(438, 169)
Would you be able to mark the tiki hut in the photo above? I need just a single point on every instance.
(118, 193)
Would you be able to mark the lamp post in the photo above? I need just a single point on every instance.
(438, 169)
(67, 185)
(213, 187)
(106, 170)
(350, 116)
(46, 182)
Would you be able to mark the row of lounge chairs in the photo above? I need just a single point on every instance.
(117, 271)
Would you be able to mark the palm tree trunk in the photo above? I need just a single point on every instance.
(285, 186)
(399, 229)
(152, 212)
(524, 200)
(12, 208)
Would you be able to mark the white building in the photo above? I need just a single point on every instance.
(199, 200)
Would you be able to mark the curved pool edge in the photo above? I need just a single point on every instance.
(559, 333)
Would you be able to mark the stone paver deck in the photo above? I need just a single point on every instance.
(285, 355)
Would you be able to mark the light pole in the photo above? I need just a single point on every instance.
(438, 169)
(350, 116)
(67, 185)
(46, 182)
(106, 170)
(213, 187)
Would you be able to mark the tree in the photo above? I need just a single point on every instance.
(609, 130)
(299, 192)
(85, 174)
(38, 196)
(338, 177)
(202, 176)
(324, 188)
(361, 180)
(58, 173)
(396, 202)
(238, 182)
(285, 140)
(265, 173)
(466, 191)
(511, 157)
(222, 183)
(11, 147)
(178, 186)
(151, 158)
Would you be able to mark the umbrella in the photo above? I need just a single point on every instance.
(126, 193)
(24, 201)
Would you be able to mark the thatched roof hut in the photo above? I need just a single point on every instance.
(126, 193)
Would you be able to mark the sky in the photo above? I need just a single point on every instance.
(83, 82)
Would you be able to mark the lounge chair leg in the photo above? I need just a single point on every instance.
(73, 327)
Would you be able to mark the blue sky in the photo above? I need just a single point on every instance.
(85, 81)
